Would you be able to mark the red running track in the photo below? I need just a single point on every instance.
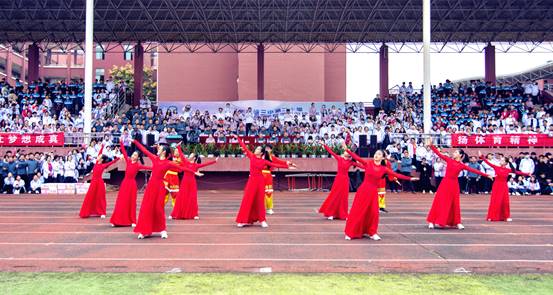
(44, 233)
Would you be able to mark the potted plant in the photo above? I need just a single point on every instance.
(294, 150)
(223, 151)
(210, 150)
(200, 150)
(279, 150)
(306, 151)
(320, 152)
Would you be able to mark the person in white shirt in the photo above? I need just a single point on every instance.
(69, 169)
(18, 186)
(8, 184)
(527, 165)
(439, 170)
(533, 186)
(35, 185)
(57, 170)
(513, 187)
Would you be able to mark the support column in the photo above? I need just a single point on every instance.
(33, 62)
(260, 72)
(384, 84)
(68, 61)
(9, 61)
(138, 73)
(427, 96)
(88, 68)
(489, 63)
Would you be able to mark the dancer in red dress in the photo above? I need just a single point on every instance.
(335, 205)
(124, 212)
(364, 213)
(152, 210)
(252, 208)
(446, 208)
(94, 203)
(499, 209)
(186, 205)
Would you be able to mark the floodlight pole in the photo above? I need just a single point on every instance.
(88, 68)
(427, 97)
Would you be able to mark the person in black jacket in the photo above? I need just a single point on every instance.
(425, 175)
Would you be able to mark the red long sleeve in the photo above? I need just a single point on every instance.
(330, 151)
(356, 157)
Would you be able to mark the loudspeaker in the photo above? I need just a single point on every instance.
(150, 139)
(364, 152)
(362, 140)
(373, 142)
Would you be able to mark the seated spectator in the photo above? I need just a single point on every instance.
(19, 186)
(7, 188)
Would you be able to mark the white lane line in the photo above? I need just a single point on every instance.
(322, 223)
(274, 244)
(275, 259)
(246, 232)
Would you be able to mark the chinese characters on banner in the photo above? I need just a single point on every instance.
(501, 140)
(46, 139)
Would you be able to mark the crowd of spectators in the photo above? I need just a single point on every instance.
(53, 107)
(395, 124)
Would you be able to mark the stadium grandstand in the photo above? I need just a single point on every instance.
(85, 81)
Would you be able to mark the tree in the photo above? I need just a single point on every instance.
(126, 74)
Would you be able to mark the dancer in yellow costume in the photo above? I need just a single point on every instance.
(268, 176)
(171, 179)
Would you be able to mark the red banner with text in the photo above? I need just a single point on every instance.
(38, 139)
(501, 140)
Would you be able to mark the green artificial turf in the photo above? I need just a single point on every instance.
(153, 283)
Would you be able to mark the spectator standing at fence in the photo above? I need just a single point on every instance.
(473, 183)
(526, 164)
(406, 167)
(425, 175)
(446, 209)
(489, 170)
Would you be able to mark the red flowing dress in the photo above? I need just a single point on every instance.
(446, 208)
(336, 203)
(124, 212)
(186, 204)
(151, 217)
(499, 209)
(252, 208)
(94, 203)
(364, 212)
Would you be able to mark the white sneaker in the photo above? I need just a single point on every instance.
(509, 219)
(170, 217)
(270, 211)
(140, 236)
(375, 237)
(348, 238)
(112, 225)
(264, 224)
(330, 218)
(430, 192)
(103, 216)
(196, 217)
(164, 235)
(423, 192)
(431, 226)
(133, 225)
(240, 224)
(460, 226)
